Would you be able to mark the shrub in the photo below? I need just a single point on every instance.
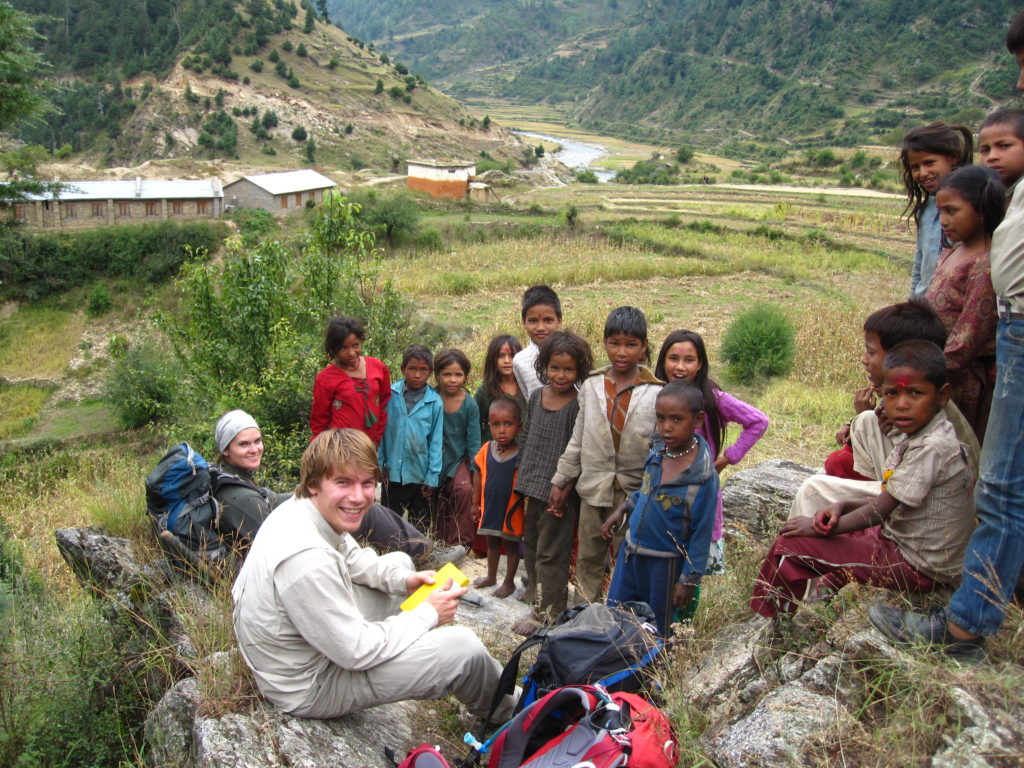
(286, 45)
(759, 343)
(428, 240)
(99, 300)
(142, 386)
(299, 133)
(256, 65)
(586, 177)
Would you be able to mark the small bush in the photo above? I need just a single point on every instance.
(141, 386)
(759, 343)
(99, 300)
(299, 133)
(586, 177)
(428, 240)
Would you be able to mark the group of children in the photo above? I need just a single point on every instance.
(895, 506)
(551, 451)
(624, 459)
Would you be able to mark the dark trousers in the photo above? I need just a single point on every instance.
(387, 531)
(548, 552)
(408, 497)
(864, 556)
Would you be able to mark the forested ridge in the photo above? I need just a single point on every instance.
(849, 70)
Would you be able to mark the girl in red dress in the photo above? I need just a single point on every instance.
(353, 390)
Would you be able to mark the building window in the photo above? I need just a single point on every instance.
(98, 211)
(201, 207)
(284, 201)
(150, 208)
(21, 212)
(177, 207)
(70, 211)
(124, 210)
(298, 199)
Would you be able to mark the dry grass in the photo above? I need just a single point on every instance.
(38, 342)
(19, 409)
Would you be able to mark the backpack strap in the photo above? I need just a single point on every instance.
(510, 674)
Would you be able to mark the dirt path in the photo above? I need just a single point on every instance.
(839, 191)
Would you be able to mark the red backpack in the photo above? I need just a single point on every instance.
(584, 724)
(423, 756)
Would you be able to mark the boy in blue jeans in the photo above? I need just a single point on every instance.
(995, 553)
(671, 516)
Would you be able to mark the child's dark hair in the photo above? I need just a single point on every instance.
(629, 321)
(418, 352)
(919, 355)
(703, 381)
(339, 329)
(953, 141)
(687, 392)
(491, 378)
(445, 357)
(537, 295)
(1009, 116)
(506, 401)
(1015, 35)
(564, 343)
(981, 187)
(906, 321)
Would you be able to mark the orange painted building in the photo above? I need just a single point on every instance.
(448, 179)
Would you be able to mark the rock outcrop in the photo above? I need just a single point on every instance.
(764, 705)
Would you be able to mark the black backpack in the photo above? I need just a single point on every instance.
(605, 645)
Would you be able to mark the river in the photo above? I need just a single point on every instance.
(575, 154)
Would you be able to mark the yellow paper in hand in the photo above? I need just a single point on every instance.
(448, 571)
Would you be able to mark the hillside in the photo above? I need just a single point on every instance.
(255, 84)
(707, 71)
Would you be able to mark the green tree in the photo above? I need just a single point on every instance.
(684, 155)
(310, 20)
(299, 133)
(395, 215)
(23, 95)
(310, 151)
(379, 87)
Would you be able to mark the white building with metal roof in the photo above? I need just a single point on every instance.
(83, 204)
(279, 193)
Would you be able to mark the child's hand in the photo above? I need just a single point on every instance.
(826, 519)
(611, 525)
(722, 462)
(799, 526)
(556, 499)
(843, 435)
(426, 490)
(864, 399)
(884, 422)
(682, 594)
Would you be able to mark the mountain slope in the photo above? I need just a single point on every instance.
(257, 83)
(846, 71)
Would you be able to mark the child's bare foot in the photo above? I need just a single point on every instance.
(525, 626)
(504, 590)
(484, 581)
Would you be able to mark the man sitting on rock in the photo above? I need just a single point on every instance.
(316, 614)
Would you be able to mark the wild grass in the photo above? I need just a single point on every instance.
(19, 409)
(38, 341)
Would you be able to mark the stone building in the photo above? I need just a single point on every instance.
(86, 204)
(447, 179)
(278, 193)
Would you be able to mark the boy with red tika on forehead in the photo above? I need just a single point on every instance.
(912, 535)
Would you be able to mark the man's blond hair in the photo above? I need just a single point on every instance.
(332, 453)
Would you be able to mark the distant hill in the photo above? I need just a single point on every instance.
(709, 71)
(257, 82)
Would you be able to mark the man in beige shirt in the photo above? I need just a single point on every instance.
(316, 615)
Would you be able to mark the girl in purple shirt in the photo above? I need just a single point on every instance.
(683, 356)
